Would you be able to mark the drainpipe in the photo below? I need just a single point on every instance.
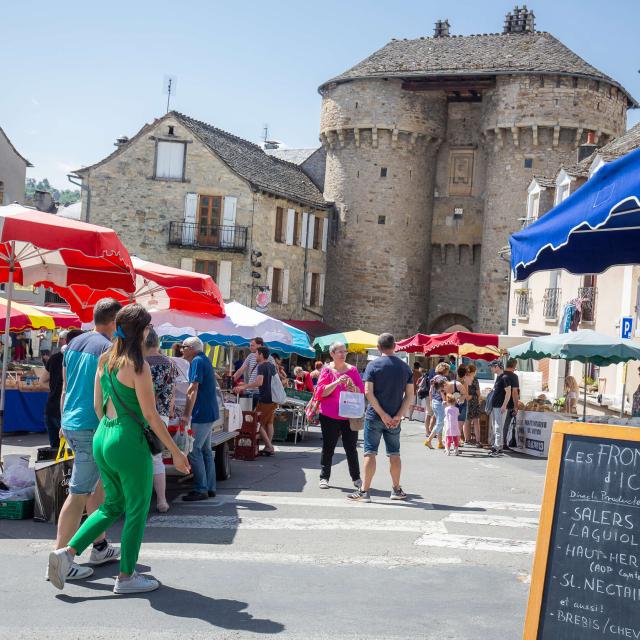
(83, 187)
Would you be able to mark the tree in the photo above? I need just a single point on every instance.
(64, 196)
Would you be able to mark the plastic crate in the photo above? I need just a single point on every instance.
(246, 442)
(16, 510)
(281, 425)
(301, 395)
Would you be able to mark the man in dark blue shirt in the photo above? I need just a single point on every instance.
(389, 389)
(202, 410)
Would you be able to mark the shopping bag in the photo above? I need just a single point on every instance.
(312, 410)
(52, 485)
(351, 405)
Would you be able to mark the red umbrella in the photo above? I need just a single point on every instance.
(157, 287)
(414, 344)
(477, 346)
(41, 249)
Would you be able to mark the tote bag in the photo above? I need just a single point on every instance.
(351, 405)
(52, 485)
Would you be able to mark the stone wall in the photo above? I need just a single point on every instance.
(125, 197)
(13, 171)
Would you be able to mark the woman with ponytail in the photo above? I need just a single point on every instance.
(124, 400)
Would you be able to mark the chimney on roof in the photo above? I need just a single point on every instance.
(588, 147)
(441, 30)
(520, 21)
(120, 141)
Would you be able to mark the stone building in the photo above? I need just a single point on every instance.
(186, 194)
(537, 304)
(430, 144)
(13, 172)
(311, 161)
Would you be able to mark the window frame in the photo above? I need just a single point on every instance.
(280, 235)
(157, 155)
(206, 263)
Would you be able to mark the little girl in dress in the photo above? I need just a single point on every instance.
(451, 428)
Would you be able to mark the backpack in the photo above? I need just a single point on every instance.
(423, 387)
(278, 394)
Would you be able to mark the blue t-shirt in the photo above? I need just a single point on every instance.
(390, 377)
(206, 406)
(81, 363)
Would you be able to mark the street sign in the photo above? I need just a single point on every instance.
(626, 327)
(581, 584)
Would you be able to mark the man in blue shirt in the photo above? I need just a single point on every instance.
(79, 424)
(202, 411)
(389, 390)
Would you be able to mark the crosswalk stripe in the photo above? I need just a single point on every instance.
(300, 501)
(148, 552)
(502, 506)
(296, 524)
(475, 543)
(492, 520)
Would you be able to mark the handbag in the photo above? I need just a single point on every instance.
(155, 445)
(356, 424)
(52, 485)
(312, 410)
(488, 403)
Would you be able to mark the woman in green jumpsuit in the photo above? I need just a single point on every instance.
(124, 400)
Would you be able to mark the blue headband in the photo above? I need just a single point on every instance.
(119, 333)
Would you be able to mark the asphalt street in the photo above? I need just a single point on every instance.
(275, 556)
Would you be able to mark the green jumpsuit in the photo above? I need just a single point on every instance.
(123, 457)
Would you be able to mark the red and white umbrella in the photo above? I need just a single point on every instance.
(158, 288)
(41, 249)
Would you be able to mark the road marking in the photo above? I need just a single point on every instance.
(476, 543)
(390, 562)
(299, 501)
(492, 520)
(503, 506)
(295, 524)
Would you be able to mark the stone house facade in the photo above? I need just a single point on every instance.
(186, 194)
(13, 172)
(537, 304)
(430, 144)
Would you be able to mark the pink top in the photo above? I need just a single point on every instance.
(329, 405)
(451, 421)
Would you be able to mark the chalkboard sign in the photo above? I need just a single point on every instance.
(586, 576)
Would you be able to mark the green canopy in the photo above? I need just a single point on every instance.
(583, 346)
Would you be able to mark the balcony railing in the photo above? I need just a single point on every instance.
(551, 303)
(522, 303)
(588, 297)
(217, 237)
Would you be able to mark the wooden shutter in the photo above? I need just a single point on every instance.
(321, 290)
(305, 223)
(270, 279)
(291, 217)
(228, 234)
(186, 264)
(325, 233)
(224, 279)
(190, 213)
(170, 160)
(276, 286)
(312, 228)
(285, 286)
(307, 293)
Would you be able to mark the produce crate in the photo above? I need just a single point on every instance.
(281, 425)
(16, 510)
(301, 395)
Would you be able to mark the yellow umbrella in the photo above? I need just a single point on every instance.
(357, 341)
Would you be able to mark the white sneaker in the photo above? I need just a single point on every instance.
(77, 572)
(60, 562)
(137, 583)
(109, 554)
(358, 483)
(323, 484)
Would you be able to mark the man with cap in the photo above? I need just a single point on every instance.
(500, 399)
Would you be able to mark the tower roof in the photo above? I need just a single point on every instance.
(477, 55)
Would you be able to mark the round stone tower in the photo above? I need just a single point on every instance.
(533, 124)
(381, 143)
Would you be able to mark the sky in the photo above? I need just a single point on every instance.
(76, 76)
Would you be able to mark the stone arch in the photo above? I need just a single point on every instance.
(451, 322)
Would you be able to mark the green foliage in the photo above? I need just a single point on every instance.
(64, 196)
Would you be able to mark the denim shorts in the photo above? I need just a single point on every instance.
(374, 430)
(85, 474)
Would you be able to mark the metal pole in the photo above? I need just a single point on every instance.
(624, 387)
(584, 406)
(7, 341)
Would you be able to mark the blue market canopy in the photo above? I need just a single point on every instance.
(595, 228)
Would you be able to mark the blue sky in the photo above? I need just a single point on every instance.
(78, 75)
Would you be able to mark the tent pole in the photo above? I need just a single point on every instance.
(624, 388)
(584, 405)
(7, 341)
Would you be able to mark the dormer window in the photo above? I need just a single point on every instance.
(563, 187)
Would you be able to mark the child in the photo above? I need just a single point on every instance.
(571, 390)
(452, 430)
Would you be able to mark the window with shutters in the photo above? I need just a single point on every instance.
(317, 233)
(170, 160)
(280, 235)
(210, 267)
(209, 219)
(276, 286)
(315, 290)
(297, 227)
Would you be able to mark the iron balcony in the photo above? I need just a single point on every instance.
(215, 237)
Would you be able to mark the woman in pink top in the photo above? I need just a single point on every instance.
(336, 377)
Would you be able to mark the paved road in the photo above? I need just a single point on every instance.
(274, 555)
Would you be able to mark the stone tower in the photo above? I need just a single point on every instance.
(430, 145)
